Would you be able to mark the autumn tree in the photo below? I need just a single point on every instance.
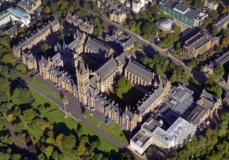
(59, 139)
(81, 148)
(105, 25)
(162, 34)
(49, 150)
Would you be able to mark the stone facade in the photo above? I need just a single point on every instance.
(115, 14)
(29, 5)
(29, 60)
(199, 43)
(78, 22)
(37, 37)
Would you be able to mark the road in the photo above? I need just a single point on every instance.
(20, 144)
(73, 109)
(152, 48)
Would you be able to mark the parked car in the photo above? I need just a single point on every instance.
(91, 114)
(66, 102)
(93, 109)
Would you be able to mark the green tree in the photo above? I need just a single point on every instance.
(105, 25)
(154, 10)
(47, 9)
(149, 29)
(68, 142)
(81, 149)
(185, 75)
(213, 87)
(22, 96)
(162, 34)
(84, 138)
(198, 3)
(45, 47)
(215, 30)
(219, 70)
(28, 115)
(59, 139)
(86, 6)
(94, 8)
(123, 86)
(21, 68)
(219, 49)
(207, 22)
(173, 78)
(8, 59)
(49, 150)
(225, 42)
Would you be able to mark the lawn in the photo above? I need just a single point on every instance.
(117, 134)
(46, 89)
(54, 115)
(129, 99)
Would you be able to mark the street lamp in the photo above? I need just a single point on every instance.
(65, 102)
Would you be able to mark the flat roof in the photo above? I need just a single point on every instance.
(4, 14)
(18, 12)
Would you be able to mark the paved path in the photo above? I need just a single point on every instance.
(20, 144)
(73, 108)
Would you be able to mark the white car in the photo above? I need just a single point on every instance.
(66, 102)
(93, 109)
(91, 114)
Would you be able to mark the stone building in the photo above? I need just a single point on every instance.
(139, 75)
(36, 37)
(222, 22)
(120, 39)
(29, 5)
(97, 50)
(29, 59)
(80, 23)
(211, 4)
(115, 14)
(199, 43)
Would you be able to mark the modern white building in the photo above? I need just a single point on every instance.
(167, 139)
(138, 4)
(141, 141)
(18, 14)
(4, 18)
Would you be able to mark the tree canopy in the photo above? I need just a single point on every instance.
(123, 86)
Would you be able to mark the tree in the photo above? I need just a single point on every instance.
(45, 47)
(176, 29)
(219, 70)
(219, 49)
(59, 139)
(198, 3)
(47, 9)
(206, 22)
(123, 86)
(225, 42)
(162, 34)
(21, 67)
(81, 13)
(8, 59)
(86, 6)
(28, 115)
(10, 118)
(154, 10)
(84, 138)
(94, 8)
(213, 87)
(68, 142)
(149, 29)
(105, 25)
(215, 30)
(136, 16)
(173, 78)
(185, 75)
(81, 149)
(49, 150)
(22, 96)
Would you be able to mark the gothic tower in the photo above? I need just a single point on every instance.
(82, 74)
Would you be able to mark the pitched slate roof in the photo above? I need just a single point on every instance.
(139, 71)
(97, 47)
(196, 114)
(107, 69)
(150, 100)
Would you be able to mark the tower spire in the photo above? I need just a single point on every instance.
(82, 68)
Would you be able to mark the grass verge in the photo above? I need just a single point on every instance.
(46, 89)
(54, 115)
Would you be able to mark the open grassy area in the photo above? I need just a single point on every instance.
(54, 115)
(46, 89)
(112, 128)
(129, 99)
